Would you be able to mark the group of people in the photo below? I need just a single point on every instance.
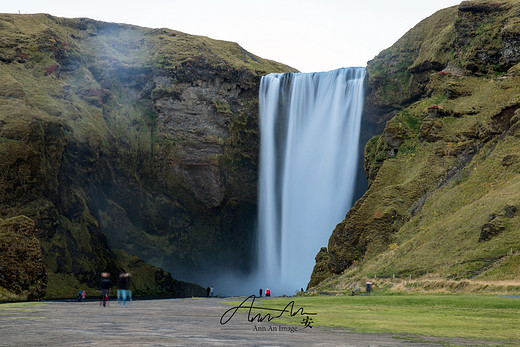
(267, 292)
(81, 296)
(124, 293)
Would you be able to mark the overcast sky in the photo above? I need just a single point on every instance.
(309, 35)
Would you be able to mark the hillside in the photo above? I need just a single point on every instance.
(441, 211)
(120, 144)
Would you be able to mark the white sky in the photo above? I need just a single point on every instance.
(309, 35)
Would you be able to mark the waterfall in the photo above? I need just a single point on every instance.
(309, 133)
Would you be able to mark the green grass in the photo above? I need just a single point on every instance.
(472, 317)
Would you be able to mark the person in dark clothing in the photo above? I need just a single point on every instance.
(104, 287)
(122, 287)
(368, 287)
(260, 292)
(128, 291)
(207, 290)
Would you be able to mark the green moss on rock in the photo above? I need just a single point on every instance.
(22, 274)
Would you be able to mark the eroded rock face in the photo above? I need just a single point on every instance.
(194, 187)
(197, 119)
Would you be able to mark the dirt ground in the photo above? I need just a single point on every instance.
(187, 322)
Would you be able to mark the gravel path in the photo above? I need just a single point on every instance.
(187, 322)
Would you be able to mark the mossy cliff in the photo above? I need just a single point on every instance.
(117, 137)
(22, 274)
(444, 174)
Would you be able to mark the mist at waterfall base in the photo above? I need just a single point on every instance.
(309, 138)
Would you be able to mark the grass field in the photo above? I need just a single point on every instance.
(473, 317)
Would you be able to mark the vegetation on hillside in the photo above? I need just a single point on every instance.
(443, 176)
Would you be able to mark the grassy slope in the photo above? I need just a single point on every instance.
(442, 240)
(449, 224)
(439, 241)
(423, 44)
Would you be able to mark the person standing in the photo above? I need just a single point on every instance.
(128, 291)
(208, 290)
(121, 289)
(211, 291)
(368, 287)
(260, 292)
(267, 293)
(104, 287)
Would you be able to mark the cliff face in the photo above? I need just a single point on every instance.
(443, 175)
(120, 137)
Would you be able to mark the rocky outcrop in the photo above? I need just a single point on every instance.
(120, 137)
(479, 37)
(446, 98)
(322, 269)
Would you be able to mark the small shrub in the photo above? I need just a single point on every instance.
(393, 246)
(54, 68)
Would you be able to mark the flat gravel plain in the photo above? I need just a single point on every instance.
(186, 322)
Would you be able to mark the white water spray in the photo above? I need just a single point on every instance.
(309, 134)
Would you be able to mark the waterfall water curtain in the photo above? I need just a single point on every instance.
(309, 135)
